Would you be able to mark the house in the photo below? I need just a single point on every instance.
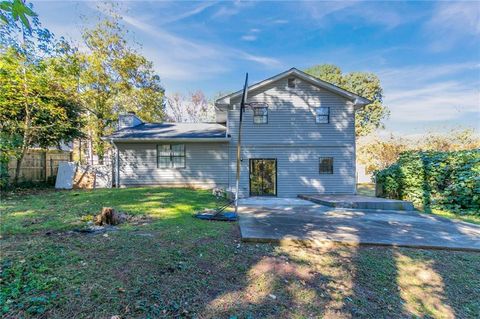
(298, 137)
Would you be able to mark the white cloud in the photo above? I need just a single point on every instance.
(319, 10)
(231, 9)
(196, 10)
(249, 37)
(424, 73)
(371, 13)
(456, 22)
(266, 61)
(431, 93)
(179, 58)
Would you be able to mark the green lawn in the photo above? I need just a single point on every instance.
(170, 265)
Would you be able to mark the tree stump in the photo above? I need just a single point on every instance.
(109, 216)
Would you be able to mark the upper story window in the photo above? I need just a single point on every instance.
(291, 83)
(171, 156)
(322, 115)
(326, 165)
(260, 115)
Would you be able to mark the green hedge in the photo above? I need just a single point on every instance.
(445, 180)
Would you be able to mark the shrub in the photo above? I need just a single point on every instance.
(445, 180)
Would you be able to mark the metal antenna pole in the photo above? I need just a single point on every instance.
(239, 141)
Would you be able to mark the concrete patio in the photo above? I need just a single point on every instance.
(277, 220)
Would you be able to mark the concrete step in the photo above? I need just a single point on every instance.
(358, 201)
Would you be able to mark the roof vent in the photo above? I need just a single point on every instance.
(291, 83)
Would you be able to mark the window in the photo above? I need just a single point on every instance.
(260, 115)
(291, 83)
(171, 156)
(326, 165)
(322, 115)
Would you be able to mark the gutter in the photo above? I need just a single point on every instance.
(173, 139)
(117, 165)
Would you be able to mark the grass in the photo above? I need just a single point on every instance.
(366, 189)
(369, 190)
(475, 219)
(174, 266)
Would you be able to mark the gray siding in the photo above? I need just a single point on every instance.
(298, 169)
(206, 165)
(291, 136)
(291, 118)
(297, 142)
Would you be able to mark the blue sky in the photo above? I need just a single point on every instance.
(427, 54)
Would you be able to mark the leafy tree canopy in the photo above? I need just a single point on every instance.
(365, 84)
(38, 103)
(192, 108)
(12, 11)
(114, 79)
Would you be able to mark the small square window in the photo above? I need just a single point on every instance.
(291, 83)
(322, 115)
(326, 165)
(260, 115)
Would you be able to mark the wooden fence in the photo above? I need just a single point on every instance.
(38, 166)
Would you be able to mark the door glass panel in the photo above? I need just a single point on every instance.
(263, 175)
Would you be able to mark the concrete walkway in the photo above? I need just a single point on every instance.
(275, 220)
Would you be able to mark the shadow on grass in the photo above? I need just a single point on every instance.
(63, 210)
(180, 267)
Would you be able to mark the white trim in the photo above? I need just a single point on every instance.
(356, 99)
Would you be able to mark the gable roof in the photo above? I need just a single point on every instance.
(357, 99)
(171, 132)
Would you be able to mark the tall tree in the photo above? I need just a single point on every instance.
(192, 108)
(37, 103)
(368, 85)
(115, 78)
(15, 10)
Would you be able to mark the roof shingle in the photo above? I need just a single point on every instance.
(158, 131)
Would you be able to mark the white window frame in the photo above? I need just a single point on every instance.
(324, 115)
(264, 116)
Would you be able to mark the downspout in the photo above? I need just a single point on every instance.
(354, 152)
(117, 164)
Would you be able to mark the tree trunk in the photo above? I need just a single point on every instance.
(19, 166)
(90, 147)
(80, 151)
(27, 120)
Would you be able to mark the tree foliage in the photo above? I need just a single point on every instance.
(192, 108)
(38, 105)
(445, 180)
(37, 100)
(365, 84)
(13, 11)
(377, 153)
(115, 79)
